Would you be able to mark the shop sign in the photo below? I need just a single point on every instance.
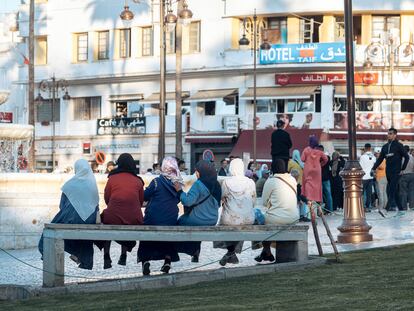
(333, 52)
(231, 125)
(121, 126)
(325, 78)
(6, 117)
(117, 147)
(375, 121)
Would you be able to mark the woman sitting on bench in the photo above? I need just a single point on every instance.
(124, 196)
(201, 205)
(280, 203)
(162, 210)
(238, 199)
(79, 204)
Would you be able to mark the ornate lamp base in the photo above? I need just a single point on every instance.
(354, 228)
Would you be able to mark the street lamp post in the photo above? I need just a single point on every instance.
(243, 42)
(167, 24)
(394, 55)
(354, 228)
(54, 87)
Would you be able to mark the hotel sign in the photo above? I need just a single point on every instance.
(333, 52)
(325, 78)
(121, 126)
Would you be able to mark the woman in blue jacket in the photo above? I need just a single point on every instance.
(201, 205)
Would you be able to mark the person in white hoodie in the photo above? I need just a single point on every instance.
(238, 199)
(280, 203)
(367, 161)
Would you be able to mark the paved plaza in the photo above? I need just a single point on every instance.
(390, 231)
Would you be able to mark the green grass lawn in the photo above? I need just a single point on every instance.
(380, 279)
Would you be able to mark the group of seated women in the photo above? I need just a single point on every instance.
(125, 196)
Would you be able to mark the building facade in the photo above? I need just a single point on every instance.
(112, 71)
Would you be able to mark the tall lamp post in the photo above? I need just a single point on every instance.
(377, 49)
(354, 228)
(167, 25)
(245, 42)
(54, 87)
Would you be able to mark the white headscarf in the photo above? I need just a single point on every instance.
(81, 190)
(238, 181)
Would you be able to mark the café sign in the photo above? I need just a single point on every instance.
(325, 78)
(333, 52)
(121, 126)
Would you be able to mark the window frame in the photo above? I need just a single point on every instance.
(88, 103)
(100, 45)
(78, 47)
(147, 45)
(125, 43)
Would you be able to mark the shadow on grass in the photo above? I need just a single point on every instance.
(378, 279)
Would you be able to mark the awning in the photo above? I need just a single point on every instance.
(154, 98)
(212, 95)
(299, 137)
(281, 92)
(126, 97)
(377, 91)
(368, 135)
(210, 138)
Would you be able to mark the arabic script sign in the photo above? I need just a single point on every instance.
(333, 52)
(325, 78)
(6, 117)
(121, 126)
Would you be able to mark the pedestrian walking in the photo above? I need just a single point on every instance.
(312, 172)
(281, 144)
(407, 182)
(337, 165)
(393, 152)
(381, 182)
(367, 162)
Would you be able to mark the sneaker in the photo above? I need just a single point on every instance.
(146, 268)
(265, 257)
(194, 258)
(229, 258)
(400, 214)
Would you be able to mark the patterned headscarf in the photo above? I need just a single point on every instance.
(170, 170)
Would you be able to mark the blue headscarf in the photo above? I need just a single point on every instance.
(296, 158)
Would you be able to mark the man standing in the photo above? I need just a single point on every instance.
(223, 169)
(281, 144)
(367, 162)
(393, 152)
(381, 183)
(407, 182)
(326, 182)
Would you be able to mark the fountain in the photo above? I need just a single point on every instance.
(15, 141)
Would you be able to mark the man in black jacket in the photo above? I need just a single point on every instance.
(393, 152)
(281, 144)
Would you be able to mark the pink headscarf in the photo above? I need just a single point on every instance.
(170, 170)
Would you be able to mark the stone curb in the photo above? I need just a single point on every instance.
(16, 292)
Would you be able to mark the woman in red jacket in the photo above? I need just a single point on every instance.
(124, 196)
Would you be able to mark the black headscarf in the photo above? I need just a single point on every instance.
(125, 164)
(208, 176)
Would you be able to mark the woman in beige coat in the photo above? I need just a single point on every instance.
(280, 203)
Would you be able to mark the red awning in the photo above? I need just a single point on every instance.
(210, 138)
(300, 139)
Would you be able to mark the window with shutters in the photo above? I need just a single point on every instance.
(125, 43)
(44, 111)
(384, 26)
(170, 42)
(194, 38)
(86, 108)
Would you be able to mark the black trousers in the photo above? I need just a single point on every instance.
(392, 192)
(274, 161)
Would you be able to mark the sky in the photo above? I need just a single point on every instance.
(9, 5)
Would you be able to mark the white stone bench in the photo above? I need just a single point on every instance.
(292, 240)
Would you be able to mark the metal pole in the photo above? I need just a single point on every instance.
(161, 144)
(354, 228)
(254, 87)
(31, 87)
(178, 86)
(391, 60)
(53, 121)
